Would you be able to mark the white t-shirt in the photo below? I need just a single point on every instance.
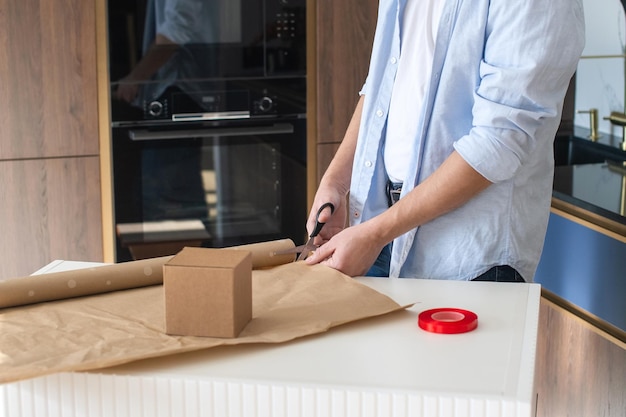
(418, 34)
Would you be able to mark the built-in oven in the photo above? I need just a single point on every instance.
(208, 104)
(208, 184)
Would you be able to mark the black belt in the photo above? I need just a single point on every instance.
(393, 192)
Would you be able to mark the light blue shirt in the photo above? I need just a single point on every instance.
(499, 77)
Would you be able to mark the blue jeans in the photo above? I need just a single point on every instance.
(502, 273)
(381, 266)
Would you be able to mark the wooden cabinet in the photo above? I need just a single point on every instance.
(49, 139)
(339, 53)
(580, 370)
(48, 79)
(51, 211)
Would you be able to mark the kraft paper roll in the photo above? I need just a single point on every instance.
(263, 253)
(114, 277)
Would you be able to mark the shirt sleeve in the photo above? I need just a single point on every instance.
(180, 21)
(363, 89)
(531, 52)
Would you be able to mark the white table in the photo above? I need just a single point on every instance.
(385, 366)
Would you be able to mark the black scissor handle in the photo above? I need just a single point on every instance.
(318, 225)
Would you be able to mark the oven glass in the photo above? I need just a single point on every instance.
(156, 46)
(232, 187)
(234, 184)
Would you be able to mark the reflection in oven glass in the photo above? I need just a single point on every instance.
(161, 48)
(233, 188)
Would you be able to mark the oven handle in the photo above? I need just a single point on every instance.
(278, 128)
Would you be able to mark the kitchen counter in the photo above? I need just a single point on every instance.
(586, 182)
(594, 192)
(385, 366)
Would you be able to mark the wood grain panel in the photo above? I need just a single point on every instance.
(53, 212)
(47, 79)
(345, 31)
(580, 371)
(325, 153)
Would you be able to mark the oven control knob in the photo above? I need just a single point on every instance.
(155, 108)
(266, 104)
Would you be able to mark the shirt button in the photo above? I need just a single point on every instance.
(368, 163)
(356, 214)
(379, 113)
(394, 60)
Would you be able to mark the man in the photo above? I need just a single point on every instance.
(458, 113)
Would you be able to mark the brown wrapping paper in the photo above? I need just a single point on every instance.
(114, 277)
(289, 301)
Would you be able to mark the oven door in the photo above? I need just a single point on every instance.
(208, 185)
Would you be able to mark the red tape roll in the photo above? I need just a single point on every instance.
(447, 320)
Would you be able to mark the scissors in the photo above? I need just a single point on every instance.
(306, 249)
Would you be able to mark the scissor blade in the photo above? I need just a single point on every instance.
(306, 250)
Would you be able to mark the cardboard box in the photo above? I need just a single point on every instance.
(208, 292)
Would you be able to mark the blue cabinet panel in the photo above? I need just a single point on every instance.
(586, 268)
